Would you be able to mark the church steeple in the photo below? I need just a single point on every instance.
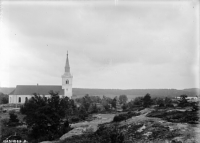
(67, 80)
(67, 67)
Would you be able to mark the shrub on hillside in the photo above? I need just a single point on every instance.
(176, 116)
(122, 117)
(119, 118)
(185, 117)
(156, 113)
(13, 121)
(75, 119)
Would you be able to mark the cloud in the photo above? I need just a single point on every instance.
(104, 41)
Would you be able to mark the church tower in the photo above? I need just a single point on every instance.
(67, 80)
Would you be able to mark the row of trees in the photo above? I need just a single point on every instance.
(89, 102)
(147, 101)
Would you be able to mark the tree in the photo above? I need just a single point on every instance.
(123, 99)
(147, 100)
(168, 102)
(106, 102)
(82, 113)
(124, 106)
(3, 98)
(114, 102)
(95, 99)
(93, 108)
(45, 117)
(160, 102)
(183, 97)
(183, 101)
(86, 102)
(13, 121)
(138, 101)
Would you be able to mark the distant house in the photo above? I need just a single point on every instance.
(192, 99)
(25, 92)
(189, 99)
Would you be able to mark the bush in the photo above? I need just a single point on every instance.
(119, 118)
(185, 117)
(156, 113)
(75, 119)
(122, 117)
(176, 116)
(13, 121)
(161, 105)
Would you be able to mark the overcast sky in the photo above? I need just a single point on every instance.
(122, 44)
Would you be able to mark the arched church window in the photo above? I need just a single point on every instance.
(19, 100)
(67, 81)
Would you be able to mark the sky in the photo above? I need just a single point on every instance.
(111, 44)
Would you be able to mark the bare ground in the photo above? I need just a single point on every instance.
(186, 133)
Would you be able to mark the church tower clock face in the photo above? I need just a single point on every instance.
(67, 80)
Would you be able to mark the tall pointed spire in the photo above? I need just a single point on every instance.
(67, 67)
(67, 79)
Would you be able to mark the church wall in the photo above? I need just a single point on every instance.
(15, 98)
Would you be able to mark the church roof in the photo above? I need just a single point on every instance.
(40, 89)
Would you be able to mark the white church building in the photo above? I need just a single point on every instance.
(25, 92)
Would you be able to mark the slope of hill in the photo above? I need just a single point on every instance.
(6, 90)
(193, 90)
(79, 92)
